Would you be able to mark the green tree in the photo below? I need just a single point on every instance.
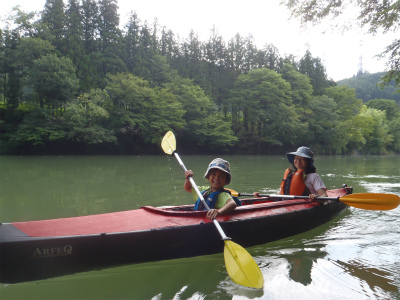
(250, 54)
(86, 118)
(53, 16)
(162, 72)
(302, 89)
(376, 131)
(24, 56)
(350, 135)
(271, 58)
(110, 38)
(142, 114)
(90, 70)
(217, 73)
(90, 29)
(345, 97)
(169, 46)
(28, 50)
(38, 128)
(143, 54)
(262, 112)
(21, 45)
(315, 70)
(2, 70)
(194, 65)
(24, 24)
(74, 37)
(394, 130)
(205, 128)
(321, 117)
(392, 111)
(132, 43)
(236, 53)
(389, 106)
(53, 79)
(12, 77)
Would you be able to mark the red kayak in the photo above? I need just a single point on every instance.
(42, 249)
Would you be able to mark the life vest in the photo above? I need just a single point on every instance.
(293, 184)
(211, 199)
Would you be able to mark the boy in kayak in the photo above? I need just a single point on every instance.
(217, 198)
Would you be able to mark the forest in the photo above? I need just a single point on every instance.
(73, 80)
(367, 86)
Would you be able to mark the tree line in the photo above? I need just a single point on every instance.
(73, 82)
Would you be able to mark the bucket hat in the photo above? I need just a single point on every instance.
(303, 152)
(222, 165)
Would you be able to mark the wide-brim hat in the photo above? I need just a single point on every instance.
(303, 152)
(222, 165)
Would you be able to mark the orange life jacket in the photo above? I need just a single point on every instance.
(293, 184)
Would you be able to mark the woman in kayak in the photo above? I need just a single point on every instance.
(217, 198)
(301, 178)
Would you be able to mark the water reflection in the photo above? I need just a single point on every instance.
(375, 278)
(301, 264)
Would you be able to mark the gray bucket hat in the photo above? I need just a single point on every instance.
(303, 152)
(222, 165)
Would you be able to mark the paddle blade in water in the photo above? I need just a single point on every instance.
(372, 201)
(168, 143)
(241, 266)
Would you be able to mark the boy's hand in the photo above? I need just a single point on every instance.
(213, 213)
(188, 174)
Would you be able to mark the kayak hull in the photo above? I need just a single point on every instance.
(43, 249)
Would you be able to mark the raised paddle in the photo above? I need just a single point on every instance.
(370, 201)
(240, 265)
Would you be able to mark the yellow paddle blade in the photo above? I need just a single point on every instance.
(241, 266)
(372, 201)
(168, 143)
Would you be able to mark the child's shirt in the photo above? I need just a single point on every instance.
(222, 197)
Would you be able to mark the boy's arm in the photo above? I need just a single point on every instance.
(187, 185)
(228, 207)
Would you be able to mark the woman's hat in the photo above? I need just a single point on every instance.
(221, 164)
(303, 152)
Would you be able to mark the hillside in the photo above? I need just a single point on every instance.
(367, 89)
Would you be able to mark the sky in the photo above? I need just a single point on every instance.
(266, 21)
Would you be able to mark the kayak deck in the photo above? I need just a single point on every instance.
(147, 218)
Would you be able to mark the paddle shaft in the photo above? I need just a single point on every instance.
(240, 266)
(290, 197)
(219, 228)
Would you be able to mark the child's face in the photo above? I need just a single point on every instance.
(217, 179)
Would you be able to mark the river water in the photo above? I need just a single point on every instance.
(356, 256)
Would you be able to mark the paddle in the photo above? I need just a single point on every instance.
(240, 265)
(370, 201)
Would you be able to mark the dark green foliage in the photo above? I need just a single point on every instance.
(53, 79)
(389, 106)
(314, 69)
(38, 128)
(73, 82)
(367, 87)
(54, 18)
